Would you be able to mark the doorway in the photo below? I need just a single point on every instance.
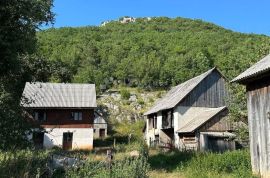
(67, 140)
(38, 139)
(102, 133)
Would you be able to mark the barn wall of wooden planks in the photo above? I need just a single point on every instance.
(212, 92)
(258, 98)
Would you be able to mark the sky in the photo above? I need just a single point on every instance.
(247, 16)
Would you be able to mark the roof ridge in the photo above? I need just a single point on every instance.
(201, 77)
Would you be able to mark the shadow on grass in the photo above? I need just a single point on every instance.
(169, 161)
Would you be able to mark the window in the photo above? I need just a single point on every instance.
(40, 115)
(77, 116)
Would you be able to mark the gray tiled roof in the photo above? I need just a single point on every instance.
(258, 68)
(177, 93)
(197, 116)
(59, 95)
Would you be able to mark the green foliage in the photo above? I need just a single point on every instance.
(134, 167)
(23, 163)
(229, 164)
(156, 53)
(19, 21)
(132, 129)
(125, 94)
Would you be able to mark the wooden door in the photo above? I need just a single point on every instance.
(67, 140)
(102, 133)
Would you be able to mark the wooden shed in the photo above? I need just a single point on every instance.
(257, 81)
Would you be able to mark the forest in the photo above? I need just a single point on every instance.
(156, 53)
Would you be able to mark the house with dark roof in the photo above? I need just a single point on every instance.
(192, 115)
(62, 114)
(257, 82)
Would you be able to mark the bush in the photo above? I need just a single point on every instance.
(23, 163)
(133, 167)
(125, 94)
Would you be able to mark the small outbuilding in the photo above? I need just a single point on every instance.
(100, 126)
(257, 82)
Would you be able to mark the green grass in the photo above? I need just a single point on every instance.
(235, 164)
(23, 163)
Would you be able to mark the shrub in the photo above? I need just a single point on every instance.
(133, 167)
(125, 94)
(141, 102)
(23, 163)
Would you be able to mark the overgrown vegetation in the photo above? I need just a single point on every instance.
(23, 163)
(26, 163)
(235, 164)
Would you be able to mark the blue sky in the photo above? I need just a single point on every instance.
(248, 16)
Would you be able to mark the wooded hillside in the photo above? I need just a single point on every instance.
(148, 53)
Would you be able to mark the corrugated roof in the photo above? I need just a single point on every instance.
(177, 93)
(57, 95)
(219, 134)
(196, 117)
(258, 68)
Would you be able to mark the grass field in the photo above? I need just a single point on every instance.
(151, 163)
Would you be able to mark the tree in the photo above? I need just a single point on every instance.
(19, 21)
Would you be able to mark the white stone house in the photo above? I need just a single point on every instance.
(192, 115)
(62, 114)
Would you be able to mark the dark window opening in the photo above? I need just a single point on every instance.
(77, 116)
(102, 133)
(167, 119)
(153, 122)
(40, 115)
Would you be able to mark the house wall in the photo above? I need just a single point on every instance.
(82, 137)
(97, 128)
(211, 92)
(99, 123)
(258, 94)
(62, 118)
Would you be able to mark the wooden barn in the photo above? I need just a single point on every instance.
(192, 115)
(257, 81)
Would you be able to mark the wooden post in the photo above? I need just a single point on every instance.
(109, 158)
(114, 142)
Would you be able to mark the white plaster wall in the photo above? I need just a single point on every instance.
(82, 137)
(176, 127)
(150, 133)
(182, 112)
